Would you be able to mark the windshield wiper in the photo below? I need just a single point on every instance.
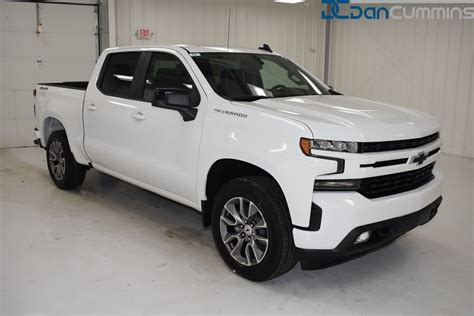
(250, 98)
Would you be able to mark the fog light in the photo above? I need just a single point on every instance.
(336, 185)
(362, 237)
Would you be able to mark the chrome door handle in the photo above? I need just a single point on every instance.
(139, 116)
(92, 107)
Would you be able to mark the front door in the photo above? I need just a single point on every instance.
(165, 148)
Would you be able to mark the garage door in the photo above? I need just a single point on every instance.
(65, 50)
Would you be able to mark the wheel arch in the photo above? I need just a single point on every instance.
(51, 125)
(223, 171)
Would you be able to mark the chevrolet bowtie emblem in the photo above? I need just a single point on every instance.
(420, 158)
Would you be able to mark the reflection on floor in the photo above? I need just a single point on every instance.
(111, 247)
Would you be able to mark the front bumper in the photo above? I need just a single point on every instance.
(343, 211)
(383, 233)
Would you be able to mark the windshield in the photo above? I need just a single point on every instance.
(249, 77)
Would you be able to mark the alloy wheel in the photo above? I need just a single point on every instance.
(57, 160)
(244, 231)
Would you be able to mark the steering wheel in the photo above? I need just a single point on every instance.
(278, 90)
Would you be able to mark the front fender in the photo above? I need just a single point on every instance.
(268, 141)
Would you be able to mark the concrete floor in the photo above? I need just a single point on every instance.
(113, 248)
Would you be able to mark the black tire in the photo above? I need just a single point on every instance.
(263, 192)
(74, 173)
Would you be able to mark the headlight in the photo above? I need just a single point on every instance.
(332, 145)
(335, 145)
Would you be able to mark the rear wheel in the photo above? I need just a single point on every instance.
(66, 173)
(252, 229)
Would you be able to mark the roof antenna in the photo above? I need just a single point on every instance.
(266, 47)
(228, 30)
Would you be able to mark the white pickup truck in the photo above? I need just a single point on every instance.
(282, 167)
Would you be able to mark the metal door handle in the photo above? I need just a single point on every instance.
(139, 116)
(92, 107)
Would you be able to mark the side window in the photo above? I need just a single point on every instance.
(165, 71)
(118, 75)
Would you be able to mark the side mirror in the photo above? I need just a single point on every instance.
(333, 92)
(182, 100)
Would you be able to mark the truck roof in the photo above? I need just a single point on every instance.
(193, 49)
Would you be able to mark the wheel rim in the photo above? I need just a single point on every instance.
(244, 231)
(57, 161)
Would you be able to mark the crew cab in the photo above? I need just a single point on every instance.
(282, 167)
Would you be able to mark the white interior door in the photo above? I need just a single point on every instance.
(65, 50)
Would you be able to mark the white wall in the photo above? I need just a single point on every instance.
(67, 50)
(427, 65)
(17, 74)
(290, 29)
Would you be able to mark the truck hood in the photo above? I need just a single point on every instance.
(339, 117)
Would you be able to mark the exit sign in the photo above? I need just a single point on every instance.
(144, 34)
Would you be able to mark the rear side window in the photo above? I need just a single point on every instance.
(166, 71)
(118, 75)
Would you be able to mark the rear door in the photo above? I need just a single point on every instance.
(107, 113)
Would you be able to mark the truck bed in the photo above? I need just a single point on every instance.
(78, 85)
(59, 106)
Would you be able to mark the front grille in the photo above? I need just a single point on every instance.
(397, 144)
(395, 183)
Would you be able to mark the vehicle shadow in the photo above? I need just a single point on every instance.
(181, 226)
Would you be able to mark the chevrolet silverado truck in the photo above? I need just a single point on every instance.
(282, 167)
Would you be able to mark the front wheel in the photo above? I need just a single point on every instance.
(252, 228)
(63, 169)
